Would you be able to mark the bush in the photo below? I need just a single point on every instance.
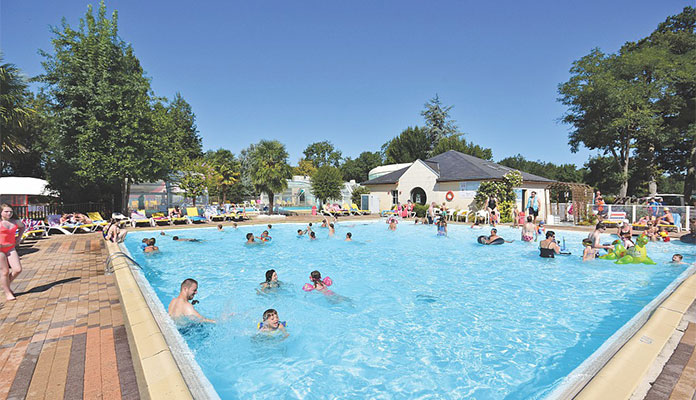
(505, 209)
(421, 210)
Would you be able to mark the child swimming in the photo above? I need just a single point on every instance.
(271, 282)
(589, 253)
(272, 323)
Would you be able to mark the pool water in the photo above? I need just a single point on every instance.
(417, 316)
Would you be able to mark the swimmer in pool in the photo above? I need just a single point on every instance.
(151, 246)
(494, 236)
(529, 231)
(548, 248)
(332, 230)
(589, 253)
(271, 282)
(180, 239)
(264, 237)
(677, 259)
(181, 308)
(300, 233)
(250, 239)
(392, 224)
(349, 237)
(269, 226)
(219, 227)
(271, 323)
(442, 227)
(143, 243)
(312, 236)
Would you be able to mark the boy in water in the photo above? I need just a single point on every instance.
(219, 227)
(250, 239)
(271, 322)
(677, 259)
(349, 237)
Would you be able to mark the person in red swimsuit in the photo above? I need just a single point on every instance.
(10, 266)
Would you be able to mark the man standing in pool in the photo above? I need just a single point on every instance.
(595, 237)
(180, 308)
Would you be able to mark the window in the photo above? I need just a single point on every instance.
(395, 196)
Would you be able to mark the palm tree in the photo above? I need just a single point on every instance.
(269, 168)
(14, 110)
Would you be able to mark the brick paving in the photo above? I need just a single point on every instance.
(64, 338)
(677, 381)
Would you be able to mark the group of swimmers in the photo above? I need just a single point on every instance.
(181, 308)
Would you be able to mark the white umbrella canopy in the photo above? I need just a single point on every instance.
(15, 185)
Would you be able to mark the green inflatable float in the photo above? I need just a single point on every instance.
(637, 254)
(618, 252)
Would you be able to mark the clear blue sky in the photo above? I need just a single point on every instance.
(357, 72)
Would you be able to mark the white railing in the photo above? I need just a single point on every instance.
(634, 212)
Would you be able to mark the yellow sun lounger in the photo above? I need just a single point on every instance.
(177, 220)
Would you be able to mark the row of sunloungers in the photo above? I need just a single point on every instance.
(192, 216)
(617, 218)
(334, 210)
(53, 224)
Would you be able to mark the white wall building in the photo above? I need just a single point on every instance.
(425, 181)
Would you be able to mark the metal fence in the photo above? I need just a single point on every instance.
(40, 212)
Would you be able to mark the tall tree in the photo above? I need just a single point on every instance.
(99, 100)
(225, 172)
(174, 125)
(438, 123)
(412, 144)
(611, 107)
(193, 178)
(322, 153)
(269, 169)
(15, 111)
(327, 183)
(359, 168)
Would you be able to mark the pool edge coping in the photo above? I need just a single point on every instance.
(619, 366)
(164, 365)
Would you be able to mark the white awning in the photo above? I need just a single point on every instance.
(16, 185)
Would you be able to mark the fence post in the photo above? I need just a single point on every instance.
(633, 213)
(687, 222)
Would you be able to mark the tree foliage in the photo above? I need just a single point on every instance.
(438, 123)
(322, 154)
(224, 173)
(458, 143)
(356, 194)
(412, 144)
(268, 168)
(193, 178)
(327, 183)
(305, 168)
(359, 168)
(15, 110)
(503, 189)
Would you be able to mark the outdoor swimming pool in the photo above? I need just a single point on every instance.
(425, 315)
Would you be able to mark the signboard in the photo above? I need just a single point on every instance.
(468, 190)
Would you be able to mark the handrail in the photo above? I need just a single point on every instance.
(112, 257)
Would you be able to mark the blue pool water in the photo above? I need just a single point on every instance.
(425, 316)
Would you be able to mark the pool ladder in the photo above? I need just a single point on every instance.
(109, 268)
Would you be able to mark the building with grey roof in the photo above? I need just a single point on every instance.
(455, 175)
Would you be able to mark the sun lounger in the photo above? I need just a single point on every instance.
(33, 228)
(214, 214)
(159, 218)
(177, 220)
(97, 220)
(615, 218)
(355, 207)
(55, 226)
(140, 218)
(192, 215)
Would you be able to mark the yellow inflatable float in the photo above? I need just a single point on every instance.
(637, 254)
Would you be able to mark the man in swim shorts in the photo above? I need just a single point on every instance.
(180, 306)
(533, 206)
(595, 237)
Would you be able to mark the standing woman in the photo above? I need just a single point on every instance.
(10, 265)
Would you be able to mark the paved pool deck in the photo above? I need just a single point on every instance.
(64, 337)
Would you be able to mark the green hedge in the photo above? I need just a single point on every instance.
(421, 210)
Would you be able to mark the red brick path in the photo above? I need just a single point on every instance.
(63, 338)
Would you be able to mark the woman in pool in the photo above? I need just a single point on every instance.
(548, 248)
(529, 231)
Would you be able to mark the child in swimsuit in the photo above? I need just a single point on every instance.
(271, 323)
(271, 282)
(589, 253)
